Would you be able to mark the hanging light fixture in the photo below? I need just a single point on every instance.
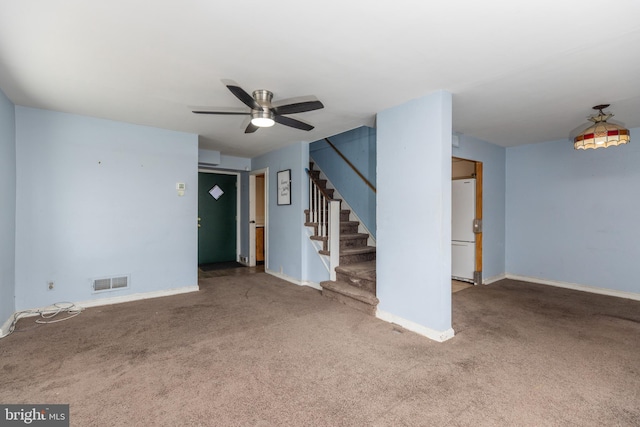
(263, 118)
(601, 134)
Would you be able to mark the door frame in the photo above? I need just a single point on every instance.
(478, 252)
(252, 216)
(237, 174)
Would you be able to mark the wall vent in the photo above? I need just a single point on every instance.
(110, 283)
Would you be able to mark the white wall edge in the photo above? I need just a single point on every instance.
(284, 277)
(490, 280)
(290, 279)
(577, 287)
(439, 336)
(4, 330)
(313, 285)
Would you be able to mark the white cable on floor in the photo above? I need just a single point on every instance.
(46, 314)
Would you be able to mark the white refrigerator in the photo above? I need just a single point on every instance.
(463, 238)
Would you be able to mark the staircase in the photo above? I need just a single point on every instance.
(355, 283)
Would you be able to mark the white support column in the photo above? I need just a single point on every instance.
(414, 215)
(334, 237)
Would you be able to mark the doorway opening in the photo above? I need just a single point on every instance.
(258, 218)
(218, 225)
(466, 223)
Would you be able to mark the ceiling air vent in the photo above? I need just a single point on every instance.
(110, 283)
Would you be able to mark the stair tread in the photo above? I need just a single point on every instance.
(342, 223)
(342, 211)
(362, 250)
(352, 251)
(364, 270)
(348, 236)
(351, 291)
(343, 236)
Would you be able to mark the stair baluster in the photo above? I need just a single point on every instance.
(352, 278)
(325, 213)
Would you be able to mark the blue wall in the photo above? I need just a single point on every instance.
(285, 226)
(7, 207)
(493, 158)
(97, 198)
(359, 146)
(289, 251)
(572, 216)
(414, 215)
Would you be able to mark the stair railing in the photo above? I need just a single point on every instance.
(352, 166)
(325, 212)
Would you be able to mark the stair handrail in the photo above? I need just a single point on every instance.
(325, 212)
(352, 166)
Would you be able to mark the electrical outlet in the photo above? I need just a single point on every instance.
(50, 285)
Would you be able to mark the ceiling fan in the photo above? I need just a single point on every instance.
(263, 113)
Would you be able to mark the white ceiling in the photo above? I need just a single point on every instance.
(520, 71)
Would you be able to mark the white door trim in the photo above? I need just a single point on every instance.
(252, 216)
(238, 185)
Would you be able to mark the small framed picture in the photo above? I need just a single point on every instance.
(284, 187)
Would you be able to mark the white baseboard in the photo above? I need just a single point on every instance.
(293, 280)
(490, 280)
(576, 287)
(99, 302)
(439, 336)
(4, 330)
(313, 285)
(137, 297)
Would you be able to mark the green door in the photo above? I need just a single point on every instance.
(217, 206)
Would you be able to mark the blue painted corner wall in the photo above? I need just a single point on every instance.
(7, 207)
(97, 198)
(571, 216)
(359, 147)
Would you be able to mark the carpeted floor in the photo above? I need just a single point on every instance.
(252, 350)
(457, 285)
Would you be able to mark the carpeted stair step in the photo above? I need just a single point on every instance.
(346, 227)
(315, 174)
(349, 227)
(353, 255)
(361, 275)
(344, 215)
(351, 296)
(329, 192)
(347, 241)
(355, 240)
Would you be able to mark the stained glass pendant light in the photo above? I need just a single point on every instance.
(601, 134)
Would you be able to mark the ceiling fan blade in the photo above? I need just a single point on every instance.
(228, 113)
(251, 128)
(288, 121)
(244, 97)
(298, 107)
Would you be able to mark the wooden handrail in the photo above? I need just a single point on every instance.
(351, 165)
(322, 190)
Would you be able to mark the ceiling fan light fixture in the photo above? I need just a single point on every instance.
(262, 119)
(601, 134)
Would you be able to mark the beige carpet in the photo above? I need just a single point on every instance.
(252, 350)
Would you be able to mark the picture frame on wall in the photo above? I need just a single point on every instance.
(284, 187)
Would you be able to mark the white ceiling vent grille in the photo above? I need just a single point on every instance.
(110, 283)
